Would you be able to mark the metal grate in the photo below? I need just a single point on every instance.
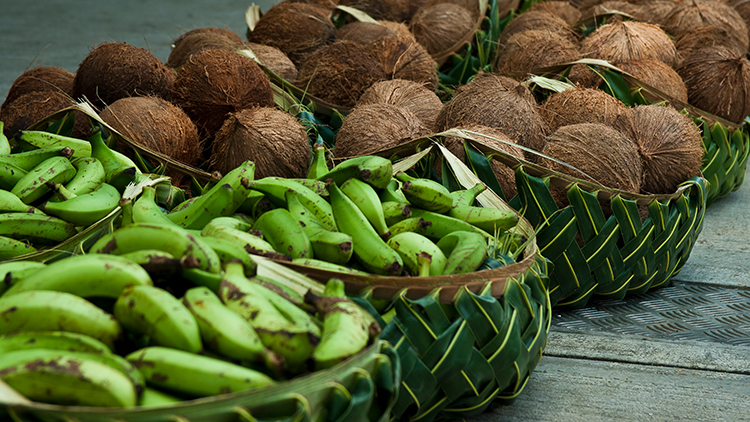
(682, 311)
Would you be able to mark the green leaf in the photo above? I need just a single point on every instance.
(480, 164)
(615, 85)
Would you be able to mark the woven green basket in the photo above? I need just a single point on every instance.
(363, 388)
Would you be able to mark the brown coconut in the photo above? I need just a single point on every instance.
(498, 102)
(619, 42)
(274, 140)
(505, 175)
(214, 83)
(390, 10)
(274, 60)
(470, 5)
(718, 81)
(297, 29)
(595, 151)
(527, 51)
(656, 11)
(339, 73)
(41, 78)
(201, 39)
(402, 57)
(581, 105)
(538, 20)
(690, 15)
(373, 127)
(398, 28)
(563, 9)
(743, 8)
(116, 70)
(438, 28)
(658, 75)
(705, 36)
(157, 125)
(413, 96)
(669, 143)
(363, 32)
(610, 6)
(32, 107)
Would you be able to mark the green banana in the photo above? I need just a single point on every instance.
(329, 246)
(374, 170)
(126, 214)
(146, 210)
(393, 212)
(156, 313)
(44, 310)
(35, 228)
(436, 225)
(275, 189)
(29, 159)
(175, 240)
(319, 164)
(327, 266)
(203, 278)
(228, 250)
(33, 185)
(215, 203)
(467, 196)
(465, 251)
(55, 340)
(367, 200)
(12, 248)
(114, 164)
(317, 186)
(282, 326)
(90, 275)
(59, 192)
(249, 242)
(284, 233)
(283, 290)
(86, 209)
(89, 176)
(11, 203)
(255, 203)
(15, 271)
(67, 378)
(10, 175)
(194, 375)
(369, 248)
(42, 139)
(154, 261)
(425, 193)
(4, 142)
(392, 192)
(491, 220)
(347, 328)
(229, 222)
(411, 245)
(227, 333)
(152, 397)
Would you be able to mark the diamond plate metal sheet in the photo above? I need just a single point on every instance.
(682, 311)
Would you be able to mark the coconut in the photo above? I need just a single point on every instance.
(505, 175)
(30, 108)
(658, 75)
(116, 70)
(670, 145)
(581, 105)
(297, 29)
(413, 96)
(619, 42)
(41, 78)
(471, 5)
(214, 83)
(743, 8)
(339, 73)
(718, 81)
(397, 28)
(363, 32)
(373, 127)
(538, 20)
(274, 60)
(390, 10)
(656, 11)
(595, 151)
(441, 26)
(611, 6)
(402, 57)
(530, 50)
(705, 36)
(157, 125)
(272, 139)
(563, 9)
(498, 102)
(201, 39)
(690, 15)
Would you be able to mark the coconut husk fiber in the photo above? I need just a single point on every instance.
(413, 96)
(441, 26)
(619, 42)
(538, 20)
(690, 15)
(115, 70)
(274, 60)
(402, 57)
(606, 7)
(718, 81)
(656, 11)
(569, 13)
(214, 83)
(506, 176)
(500, 103)
(527, 51)
(201, 39)
(157, 125)
(389, 10)
(743, 8)
(32, 107)
(373, 127)
(581, 105)
(658, 75)
(669, 143)
(297, 29)
(705, 36)
(398, 28)
(274, 140)
(340, 72)
(41, 78)
(471, 5)
(363, 32)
